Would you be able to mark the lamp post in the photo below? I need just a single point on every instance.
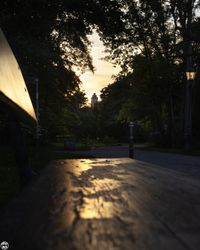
(37, 110)
(35, 81)
(190, 76)
(131, 148)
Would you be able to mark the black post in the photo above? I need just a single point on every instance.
(131, 147)
(37, 110)
(188, 115)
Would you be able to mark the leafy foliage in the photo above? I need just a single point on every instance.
(148, 39)
(152, 50)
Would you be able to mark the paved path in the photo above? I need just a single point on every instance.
(105, 204)
(190, 165)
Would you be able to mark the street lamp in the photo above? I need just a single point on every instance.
(35, 81)
(37, 110)
(190, 75)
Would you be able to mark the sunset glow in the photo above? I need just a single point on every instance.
(94, 82)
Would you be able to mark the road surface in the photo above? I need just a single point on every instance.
(190, 165)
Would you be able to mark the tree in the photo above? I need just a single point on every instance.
(113, 97)
(152, 48)
(49, 39)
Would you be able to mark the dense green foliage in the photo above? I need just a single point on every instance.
(152, 50)
(148, 39)
(49, 39)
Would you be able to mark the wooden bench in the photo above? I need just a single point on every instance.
(105, 204)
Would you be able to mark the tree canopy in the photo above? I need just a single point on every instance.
(152, 51)
(148, 39)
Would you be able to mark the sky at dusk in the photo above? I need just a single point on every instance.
(94, 82)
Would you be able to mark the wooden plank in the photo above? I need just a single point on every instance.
(106, 204)
(13, 89)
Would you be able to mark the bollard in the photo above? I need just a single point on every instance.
(131, 147)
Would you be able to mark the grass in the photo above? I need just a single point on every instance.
(86, 145)
(192, 152)
(39, 158)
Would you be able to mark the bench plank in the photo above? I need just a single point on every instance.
(105, 204)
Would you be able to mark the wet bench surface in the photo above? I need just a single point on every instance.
(105, 204)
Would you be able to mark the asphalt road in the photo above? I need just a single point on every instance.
(190, 165)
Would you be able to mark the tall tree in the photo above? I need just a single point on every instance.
(49, 39)
(155, 30)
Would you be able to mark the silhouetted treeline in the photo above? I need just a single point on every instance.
(148, 39)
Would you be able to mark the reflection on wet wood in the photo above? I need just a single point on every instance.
(106, 204)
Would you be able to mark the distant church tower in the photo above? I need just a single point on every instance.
(94, 100)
